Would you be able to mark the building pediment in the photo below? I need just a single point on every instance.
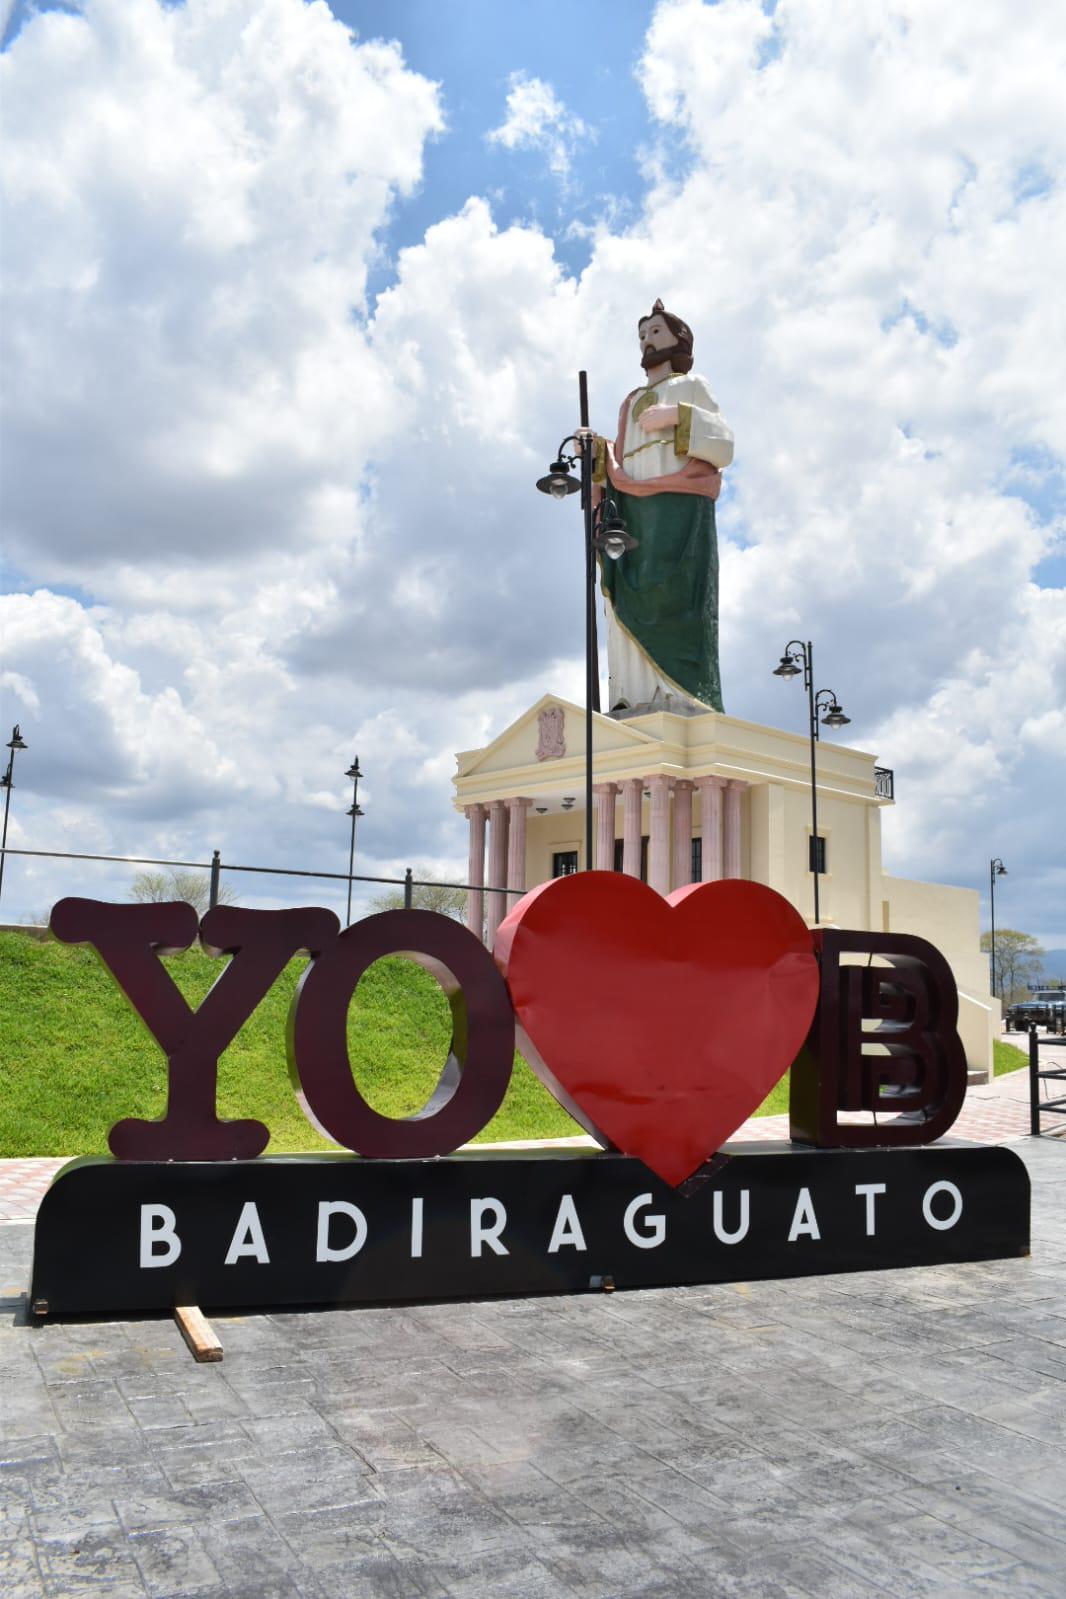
(541, 755)
(550, 735)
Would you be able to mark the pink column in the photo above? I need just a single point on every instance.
(731, 828)
(632, 801)
(711, 826)
(682, 873)
(475, 870)
(497, 902)
(659, 833)
(516, 848)
(605, 793)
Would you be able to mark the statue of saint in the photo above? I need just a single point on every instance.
(665, 473)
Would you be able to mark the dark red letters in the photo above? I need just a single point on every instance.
(475, 1076)
(883, 1040)
(129, 940)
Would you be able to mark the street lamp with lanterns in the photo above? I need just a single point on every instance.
(7, 783)
(605, 534)
(355, 812)
(996, 869)
(799, 657)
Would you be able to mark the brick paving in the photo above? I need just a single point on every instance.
(892, 1433)
(22, 1185)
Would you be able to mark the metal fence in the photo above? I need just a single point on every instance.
(1037, 1074)
(216, 866)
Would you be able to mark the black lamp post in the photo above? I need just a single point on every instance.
(15, 742)
(355, 774)
(604, 532)
(996, 869)
(799, 657)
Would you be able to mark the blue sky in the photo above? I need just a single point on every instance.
(587, 53)
(291, 334)
(472, 47)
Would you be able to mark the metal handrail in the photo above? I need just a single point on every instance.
(217, 865)
(1038, 1074)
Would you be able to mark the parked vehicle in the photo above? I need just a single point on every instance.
(1045, 1007)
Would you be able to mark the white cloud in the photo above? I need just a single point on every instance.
(192, 200)
(878, 294)
(537, 119)
(298, 533)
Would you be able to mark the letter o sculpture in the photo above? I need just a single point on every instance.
(474, 1079)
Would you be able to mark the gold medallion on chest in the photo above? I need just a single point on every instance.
(648, 398)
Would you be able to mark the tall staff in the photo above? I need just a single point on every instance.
(604, 534)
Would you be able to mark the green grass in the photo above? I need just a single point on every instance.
(75, 1058)
(776, 1101)
(1007, 1058)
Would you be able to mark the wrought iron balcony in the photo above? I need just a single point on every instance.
(884, 782)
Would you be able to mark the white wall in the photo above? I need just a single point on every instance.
(950, 919)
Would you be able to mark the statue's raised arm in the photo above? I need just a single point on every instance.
(665, 471)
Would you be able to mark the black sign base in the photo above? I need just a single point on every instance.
(117, 1236)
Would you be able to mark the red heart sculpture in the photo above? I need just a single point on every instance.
(660, 1024)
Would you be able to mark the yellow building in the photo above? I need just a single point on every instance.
(698, 797)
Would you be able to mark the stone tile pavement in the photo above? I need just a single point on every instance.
(890, 1433)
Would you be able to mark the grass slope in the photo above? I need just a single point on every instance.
(75, 1058)
(1007, 1058)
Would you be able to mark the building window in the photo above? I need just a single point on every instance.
(816, 857)
(697, 860)
(564, 863)
(619, 856)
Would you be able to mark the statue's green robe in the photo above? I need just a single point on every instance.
(665, 592)
(662, 597)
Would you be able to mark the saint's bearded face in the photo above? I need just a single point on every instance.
(658, 343)
(654, 335)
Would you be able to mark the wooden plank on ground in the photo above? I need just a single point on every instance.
(197, 1332)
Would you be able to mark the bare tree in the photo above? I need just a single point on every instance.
(35, 918)
(1019, 961)
(193, 887)
(430, 895)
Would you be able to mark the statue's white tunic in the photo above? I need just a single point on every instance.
(631, 674)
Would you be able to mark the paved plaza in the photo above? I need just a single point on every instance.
(896, 1433)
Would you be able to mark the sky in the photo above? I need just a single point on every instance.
(295, 297)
